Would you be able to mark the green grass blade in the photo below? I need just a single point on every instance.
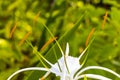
(71, 31)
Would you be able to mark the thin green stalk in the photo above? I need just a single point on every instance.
(58, 46)
(57, 60)
(39, 55)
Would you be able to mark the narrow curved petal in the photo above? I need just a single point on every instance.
(97, 67)
(67, 49)
(93, 76)
(27, 69)
(63, 75)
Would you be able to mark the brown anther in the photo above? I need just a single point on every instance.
(42, 78)
(89, 36)
(105, 18)
(13, 30)
(24, 38)
(48, 42)
(36, 17)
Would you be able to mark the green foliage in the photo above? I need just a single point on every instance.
(68, 22)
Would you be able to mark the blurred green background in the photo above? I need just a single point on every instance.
(59, 16)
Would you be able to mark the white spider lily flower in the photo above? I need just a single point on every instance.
(69, 68)
(74, 66)
(72, 63)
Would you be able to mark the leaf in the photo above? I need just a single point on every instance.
(71, 32)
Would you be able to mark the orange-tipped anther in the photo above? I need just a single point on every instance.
(42, 78)
(36, 17)
(89, 36)
(104, 21)
(13, 30)
(24, 38)
(48, 42)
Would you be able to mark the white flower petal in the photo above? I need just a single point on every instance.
(27, 69)
(67, 49)
(72, 63)
(97, 67)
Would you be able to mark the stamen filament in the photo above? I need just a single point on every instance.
(57, 60)
(58, 46)
(39, 54)
(55, 39)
